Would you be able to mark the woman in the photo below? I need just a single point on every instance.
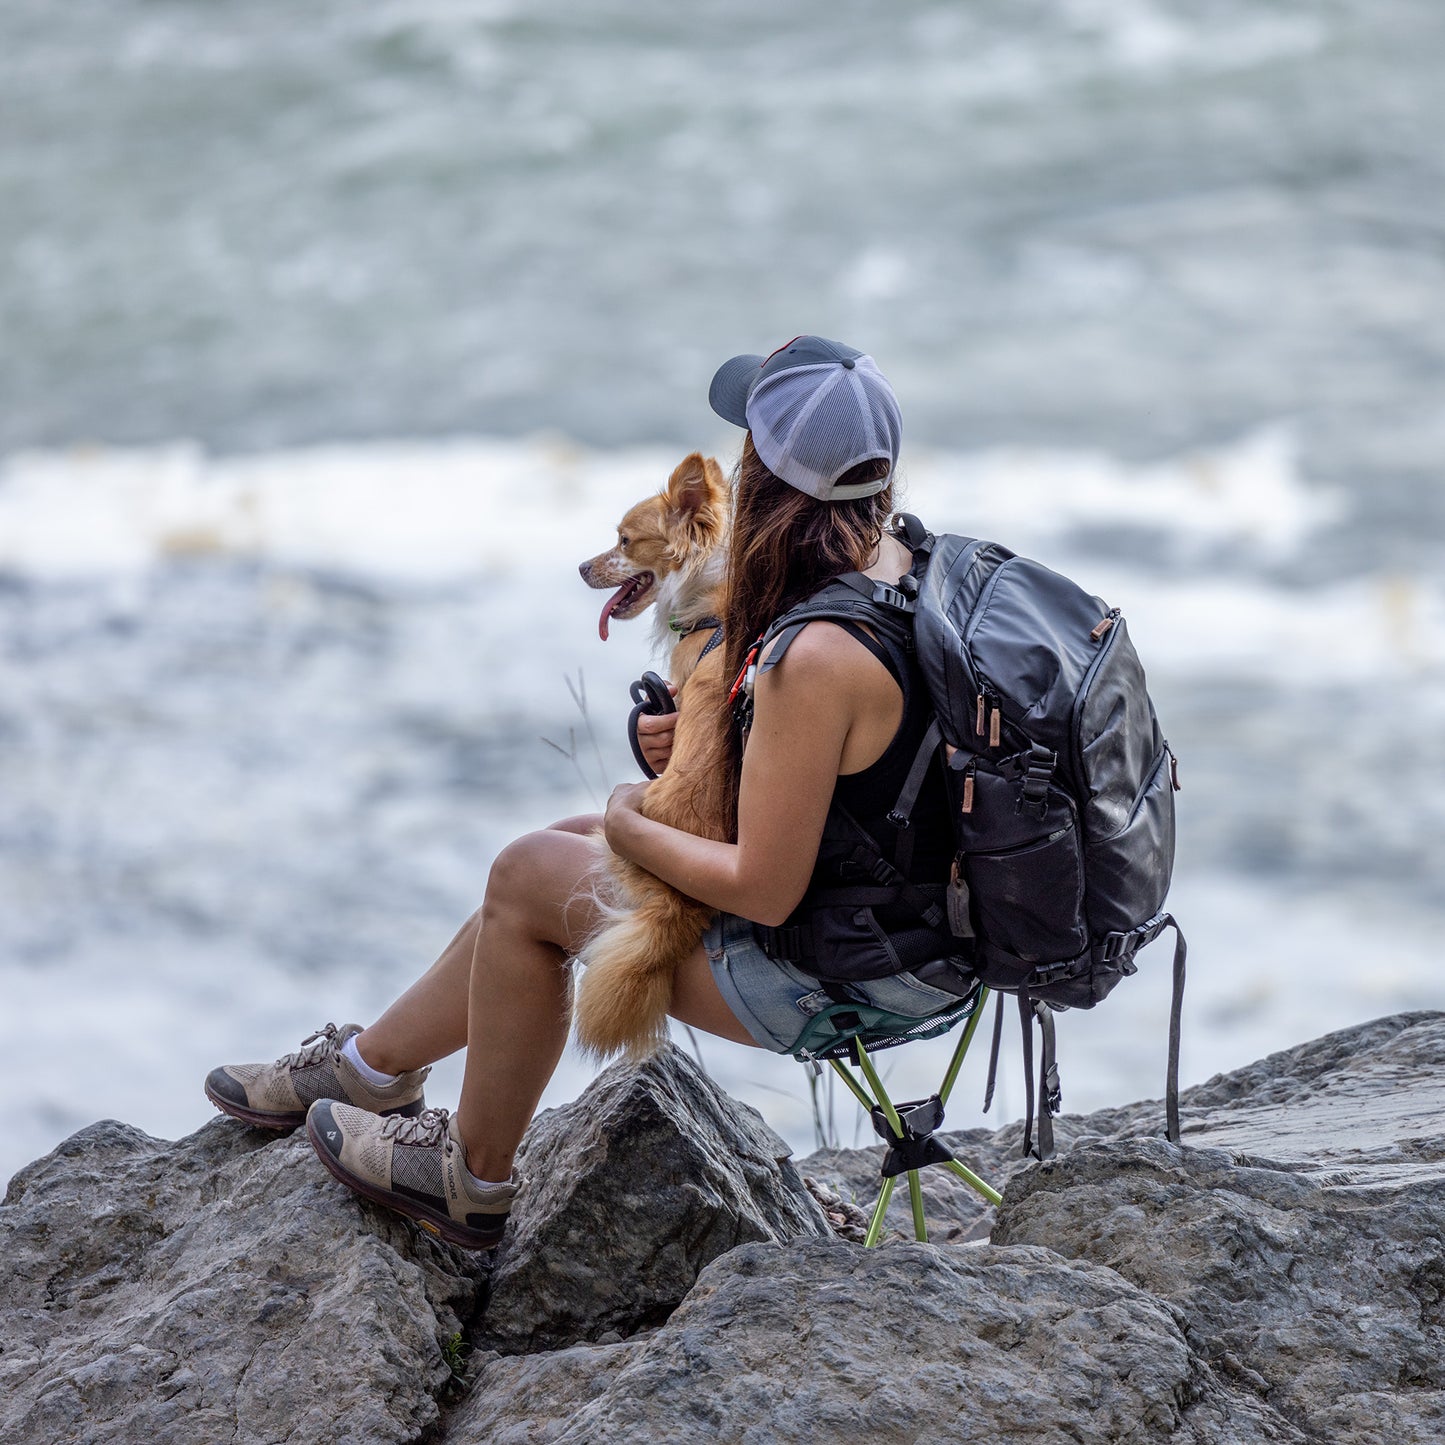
(842, 719)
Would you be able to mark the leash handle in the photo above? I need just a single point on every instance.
(651, 695)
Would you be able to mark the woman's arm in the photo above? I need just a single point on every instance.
(804, 713)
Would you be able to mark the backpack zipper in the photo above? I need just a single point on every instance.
(989, 716)
(1106, 645)
(1110, 618)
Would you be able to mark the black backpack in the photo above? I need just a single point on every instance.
(1060, 783)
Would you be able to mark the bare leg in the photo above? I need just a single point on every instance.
(429, 1021)
(501, 988)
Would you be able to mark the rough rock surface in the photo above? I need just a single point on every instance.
(225, 1287)
(1280, 1277)
(1305, 1244)
(826, 1342)
(631, 1190)
(206, 1291)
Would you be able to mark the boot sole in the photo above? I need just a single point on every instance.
(281, 1122)
(278, 1122)
(443, 1226)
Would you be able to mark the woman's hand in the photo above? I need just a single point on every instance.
(654, 737)
(624, 803)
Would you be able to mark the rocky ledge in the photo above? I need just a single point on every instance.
(670, 1276)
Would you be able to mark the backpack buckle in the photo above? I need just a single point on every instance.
(902, 597)
(1034, 795)
(1121, 947)
(1053, 1093)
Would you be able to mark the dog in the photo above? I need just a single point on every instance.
(671, 555)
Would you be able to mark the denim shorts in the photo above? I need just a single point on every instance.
(775, 1002)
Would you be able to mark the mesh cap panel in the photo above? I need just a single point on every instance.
(816, 409)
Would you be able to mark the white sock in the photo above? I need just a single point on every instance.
(485, 1183)
(372, 1076)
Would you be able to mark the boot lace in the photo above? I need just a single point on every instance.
(429, 1127)
(314, 1048)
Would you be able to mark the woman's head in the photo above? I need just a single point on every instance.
(816, 410)
(784, 545)
(814, 483)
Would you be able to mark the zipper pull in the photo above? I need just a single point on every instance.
(995, 726)
(1097, 633)
(967, 804)
(982, 704)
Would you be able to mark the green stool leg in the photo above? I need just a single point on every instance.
(880, 1100)
(972, 1179)
(915, 1198)
(859, 1092)
(969, 1029)
(875, 1225)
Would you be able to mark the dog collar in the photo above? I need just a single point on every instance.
(686, 630)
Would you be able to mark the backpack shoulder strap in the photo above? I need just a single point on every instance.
(850, 598)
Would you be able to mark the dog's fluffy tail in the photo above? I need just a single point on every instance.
(626, 988)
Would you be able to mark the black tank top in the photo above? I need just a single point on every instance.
(870, 794)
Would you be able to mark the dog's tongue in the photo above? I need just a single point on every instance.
(611, 606)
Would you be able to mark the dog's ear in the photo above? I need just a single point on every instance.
(688, 489)
(697, 502)
(717, 483)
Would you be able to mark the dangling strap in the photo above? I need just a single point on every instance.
(1176, 1010)
(1049, 1096)
(993, 1051)
(1027, 1021)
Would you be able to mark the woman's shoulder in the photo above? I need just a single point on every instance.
(824, 651)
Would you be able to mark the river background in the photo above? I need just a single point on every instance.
(327, 351)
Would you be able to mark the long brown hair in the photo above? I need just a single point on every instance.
(784, 546)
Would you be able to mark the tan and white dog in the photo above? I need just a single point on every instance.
(671, 555)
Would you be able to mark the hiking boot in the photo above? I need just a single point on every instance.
(414, 1166)
(276, 1096)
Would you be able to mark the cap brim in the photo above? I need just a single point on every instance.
(728, 394)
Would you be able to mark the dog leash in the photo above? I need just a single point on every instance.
(650, 693)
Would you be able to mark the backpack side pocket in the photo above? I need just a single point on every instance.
(1027, 892)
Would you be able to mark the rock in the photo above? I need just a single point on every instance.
(1280, 1277)
(822, 1341)
(1306, 1248)
(630, 1191)
(220, 1288)
(225, 1286)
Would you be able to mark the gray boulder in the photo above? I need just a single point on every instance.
(1280, 1277)
(1303, 1236)
(224, 1287)
(822, 1342)
(220, 1288)
(631, 1190)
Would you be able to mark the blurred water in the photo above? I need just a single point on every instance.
(327, 349)
(1140, 224)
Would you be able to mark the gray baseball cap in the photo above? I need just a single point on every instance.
(816, 408)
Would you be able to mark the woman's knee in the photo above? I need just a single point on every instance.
(536, 882)
(585, 824)
(514, 873)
